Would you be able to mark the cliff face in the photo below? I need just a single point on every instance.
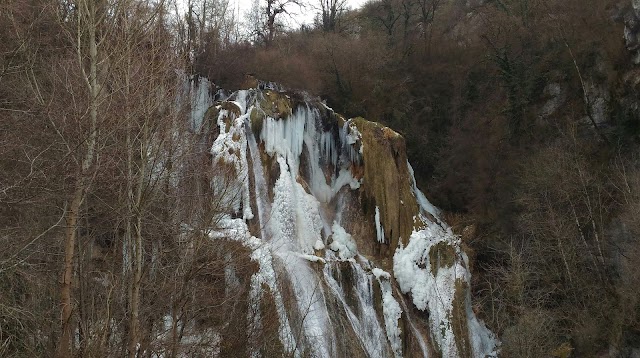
(353, 260)
(632, 30)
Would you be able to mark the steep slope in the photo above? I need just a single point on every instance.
(352, 257)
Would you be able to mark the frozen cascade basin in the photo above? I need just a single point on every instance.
(302, 217)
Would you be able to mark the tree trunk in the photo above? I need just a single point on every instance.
(64, 347)
(83, 181)
(134, 326)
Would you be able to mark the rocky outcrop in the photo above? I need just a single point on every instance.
(353, 259)
(632, 30)
(387, 182)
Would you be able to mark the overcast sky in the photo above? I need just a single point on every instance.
(299, 16)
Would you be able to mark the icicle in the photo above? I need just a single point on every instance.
(285, 137)
(350, 137)
(379, 228)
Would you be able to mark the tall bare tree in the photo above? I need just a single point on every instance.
(89, 17)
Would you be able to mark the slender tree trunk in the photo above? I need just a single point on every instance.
(138, 261)
(64, 347)
(86, 9)
(129, 246)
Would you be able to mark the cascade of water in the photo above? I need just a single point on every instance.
(266, 275)
(241, 100)
(363, 319)
(296, 226)
(423, 203)
(416, 333)
(390, 310)
(368, 318)
(315, 324)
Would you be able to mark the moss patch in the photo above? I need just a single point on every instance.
(257, 121)
(563, 351)
(441, 255)
(211, 117)
(459, 320)
(275, 104)
(231, 108)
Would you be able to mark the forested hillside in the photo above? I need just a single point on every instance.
(521, 120)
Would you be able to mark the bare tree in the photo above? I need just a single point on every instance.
(204, 30)
(89, 18)
(330, 13)
(265, 18)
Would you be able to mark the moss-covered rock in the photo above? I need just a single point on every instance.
(387, 183)
(442, 255)
(257, 121)
(212, 114)
(276, 104)
(231, 108)
(459, 321)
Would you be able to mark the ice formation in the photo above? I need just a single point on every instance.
(433, 269)
(379, 228)
(423, 202)
(391, 311)
(229, 151)
(200, 101)
(342, 243)
(363, 318)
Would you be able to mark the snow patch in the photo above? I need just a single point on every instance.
(379, 273)
(342, 243)
(312, 258)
